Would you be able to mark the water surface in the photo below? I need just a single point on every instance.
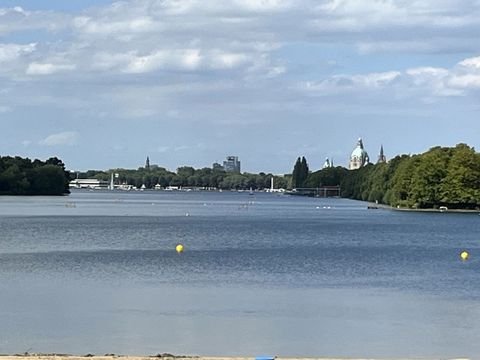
(97, 272)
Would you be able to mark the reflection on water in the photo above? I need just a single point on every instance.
(97, 272)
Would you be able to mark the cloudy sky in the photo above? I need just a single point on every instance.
(103, 84)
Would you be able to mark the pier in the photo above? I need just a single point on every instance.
(322, 191)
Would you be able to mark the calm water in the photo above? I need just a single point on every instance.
(97, 272)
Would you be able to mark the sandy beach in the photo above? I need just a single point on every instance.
(172, 357)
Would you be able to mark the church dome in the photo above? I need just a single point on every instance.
(358, 152)
(359, 156)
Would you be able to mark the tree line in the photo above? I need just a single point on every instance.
(187, 176)
(442, 176)
(22, 176)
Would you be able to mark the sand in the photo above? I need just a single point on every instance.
(161, 357)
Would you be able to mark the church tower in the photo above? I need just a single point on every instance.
(381, 157)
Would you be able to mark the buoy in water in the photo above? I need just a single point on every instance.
(464, 255)
(179, 248)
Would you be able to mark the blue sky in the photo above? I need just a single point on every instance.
(104, 84)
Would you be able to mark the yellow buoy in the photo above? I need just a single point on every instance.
(179, 248)
(464, 255)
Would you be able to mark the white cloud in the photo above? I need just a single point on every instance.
(470, 81)
(426, 82)
(359, 15)
(177, 7)
(471, 62)
(181, 148)
(145, 36)
(181, 50)
(178, 59)
(5, 109)
(348, 83)
(402, 46)
(186, 59)
(11, 52)
(357, 8)
(63, 138)
(427, 72)
(163, 149)
(16, 9)
(376, 80)
(18, 19)
(108, 61)
(433, 80)
(264, 5)
(48, 68)
(229, 60)
(142, 24)
(275, 71)
(174, 114)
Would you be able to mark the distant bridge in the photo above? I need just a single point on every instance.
(322, 191)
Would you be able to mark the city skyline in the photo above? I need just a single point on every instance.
(102, 84)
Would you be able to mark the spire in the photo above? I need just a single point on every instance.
(327, 163)
(381, 156)
(147, 164)
(360, 143)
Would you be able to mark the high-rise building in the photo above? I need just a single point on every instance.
(232, 164)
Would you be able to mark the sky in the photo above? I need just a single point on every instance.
(104, 84)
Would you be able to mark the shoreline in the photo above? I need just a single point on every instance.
(374, 206)
(28, 356)
(34, 356)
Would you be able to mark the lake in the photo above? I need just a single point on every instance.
(97, 272)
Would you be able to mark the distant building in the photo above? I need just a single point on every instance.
(89, 184)
(327, 163)
(217, 166)
(381, 157)
(232, 164)
(359, 157)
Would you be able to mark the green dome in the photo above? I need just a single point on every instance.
(359, 156)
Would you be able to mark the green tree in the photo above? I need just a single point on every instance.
(304, 171)
(427, 176)
(21, 176)
(296, 173)
(13, 181)
(47, 180)
(461, 186)
(300, 173)
(332, 176)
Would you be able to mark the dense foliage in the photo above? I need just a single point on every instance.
(19, 176)
(331, 176)
(300, 173)
(187, 176)
(441, 176)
